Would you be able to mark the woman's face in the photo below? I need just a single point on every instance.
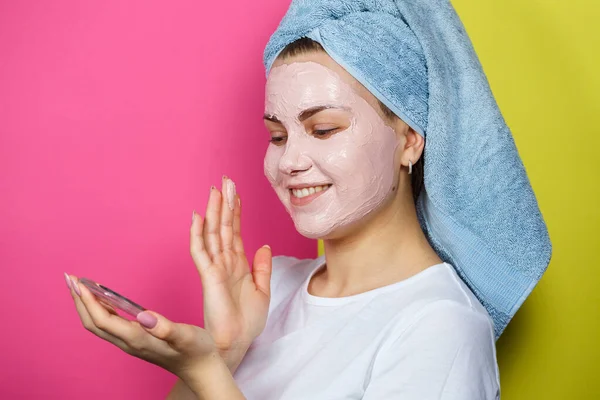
(331, 156)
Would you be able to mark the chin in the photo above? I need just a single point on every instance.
(314, 231)
(313, 228)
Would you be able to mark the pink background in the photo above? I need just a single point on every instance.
(115, 119)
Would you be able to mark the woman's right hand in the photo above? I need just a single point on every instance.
(236, 300)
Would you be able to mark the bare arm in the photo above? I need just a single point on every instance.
(181, 391)
(213, 380)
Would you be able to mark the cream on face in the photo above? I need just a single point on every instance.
(346, 175)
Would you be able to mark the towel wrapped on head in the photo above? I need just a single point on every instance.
(477, 207)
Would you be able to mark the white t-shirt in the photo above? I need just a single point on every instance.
(426, 337)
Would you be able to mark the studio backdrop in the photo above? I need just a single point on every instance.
(116, 117)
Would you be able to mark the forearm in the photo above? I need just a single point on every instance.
(181, 391)
(232, 358)
(213, 380)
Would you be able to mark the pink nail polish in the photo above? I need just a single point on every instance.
(146, 319)
(68, 280)
(76, 287)
(230, 193)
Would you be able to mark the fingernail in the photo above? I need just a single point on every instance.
(147, 319)
(76, 287)
(230, 193)
(68, 280)
(212, 187)
(267, 246)
(193, 215)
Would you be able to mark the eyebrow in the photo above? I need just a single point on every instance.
(305, 114)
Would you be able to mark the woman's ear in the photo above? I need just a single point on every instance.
(416, 143)
(413, 142)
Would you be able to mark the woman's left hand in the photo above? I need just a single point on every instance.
(178, 348)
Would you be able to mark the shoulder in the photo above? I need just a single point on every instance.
(442, 315)
(446, 351)
(457, 321)
(441, 295)
(444, 330)
(438, 323)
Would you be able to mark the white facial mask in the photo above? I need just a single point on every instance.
(357, 162)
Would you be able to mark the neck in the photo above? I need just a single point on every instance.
(387, 249)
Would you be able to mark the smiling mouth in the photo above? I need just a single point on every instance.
(308, 191)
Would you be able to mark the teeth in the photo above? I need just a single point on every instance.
(300, 193)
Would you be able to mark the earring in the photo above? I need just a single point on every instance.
(409, 167)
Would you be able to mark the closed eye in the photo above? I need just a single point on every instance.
(322, 133)
(277, 140)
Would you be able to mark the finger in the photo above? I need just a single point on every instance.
(87, 321)
(197, 250)
(227, 206)
(108, 307)
(138, 344)
(113, 324)
(161, 328)
(84, 316)
(261, 269)
(238, 244)
(212, 239)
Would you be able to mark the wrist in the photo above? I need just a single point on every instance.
(210, 379)
(234, 355)
(194, 375)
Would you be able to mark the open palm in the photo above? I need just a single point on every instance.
(236, 300)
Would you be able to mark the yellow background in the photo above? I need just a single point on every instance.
(542, 60)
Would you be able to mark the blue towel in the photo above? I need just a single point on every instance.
(477, 208)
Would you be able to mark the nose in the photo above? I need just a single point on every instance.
(294, 160)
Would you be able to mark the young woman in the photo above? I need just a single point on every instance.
(386, 313)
